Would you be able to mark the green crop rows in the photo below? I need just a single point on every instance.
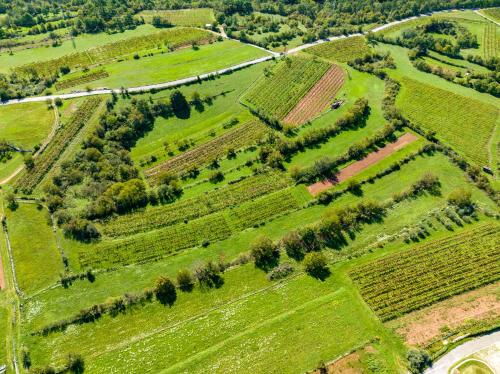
(490, 41)
(85, 78)
(166, 215)
(173, 38)
(342, 50)
(236, 138)
(466, 124)
(181, 17)
(409, 280)
(30, 179)
(258, 212)
(289, 81)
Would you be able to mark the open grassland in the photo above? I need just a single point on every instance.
(180, 17)
(196, 207)
(202, 125)
(29, 179)
(396, 285)
(465, 124)
(342, 50)
(318, 98)
(25, 125)
(37, 259)
(172, 38)
(236, 138)
(183, 63)
(77, 44)
(288, 82)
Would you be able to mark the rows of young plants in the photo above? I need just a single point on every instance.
(466, 124)
(170, 39)
(490, 41)
(210, 202)
(234, 139)
(279, 90)
(85, 78)
(258, 212)
(409, 280)
(30, 178)
(154, 245)
(342, 50)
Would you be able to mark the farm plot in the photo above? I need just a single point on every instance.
(37, 261)
(154, 245)
(173, 38)
(493, 13)
(259, 211)
(210, 202)
(180, 17)
(465, 124)
(236, 138)
(280, 91)
(342, 50)
(490, 41)
(425, 274)
(82, 79)
(318, 98)
(30, 179)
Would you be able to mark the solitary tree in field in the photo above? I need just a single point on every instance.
(265, 253)
(185, 280)
(180, 106)
(165, 291)
(315, 265)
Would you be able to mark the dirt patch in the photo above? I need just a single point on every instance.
(318, 98)
(358, 166)
(349, 364)
(423, 326)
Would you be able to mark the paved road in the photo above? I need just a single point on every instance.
(442, 365)
(180, 82)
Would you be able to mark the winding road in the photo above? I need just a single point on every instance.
(446, 362)
(183, 81)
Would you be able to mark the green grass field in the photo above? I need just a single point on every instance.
(465, 124)
(278, 92)
(38, 261)
(176, 65)
(493, 13)
(181, 17)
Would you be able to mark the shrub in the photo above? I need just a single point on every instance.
(208, 275)
(293, 246)
(75, 363)
(460, 198)
(265, 253)
(418, 361)
(315, 264)
(280, 271)
(185, 280)
(165, 291)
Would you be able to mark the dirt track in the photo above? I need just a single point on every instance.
(358, 166)
(2, 277)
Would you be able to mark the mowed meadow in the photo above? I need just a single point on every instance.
(180, 229)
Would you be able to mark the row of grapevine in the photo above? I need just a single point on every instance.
(29, 179)
(490, 41)
(464, 123)
(318, 98)
(243, 135)
(156, 244)
(172, 38)
(213, 201)
(181, 17)
(409, 280)
(85, 78)
(290, 80)
(342, 50)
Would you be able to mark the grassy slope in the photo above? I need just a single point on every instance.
(38, 263)
(176, 65)
(78, 44)
(200, 124)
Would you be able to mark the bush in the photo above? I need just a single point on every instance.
(165, 291)
(265, 253)
(75, 363)
(418, 361)
(185, 280)
(315, 264)
(293, 246)
(460, 198)
(208, 275)
(280, 271)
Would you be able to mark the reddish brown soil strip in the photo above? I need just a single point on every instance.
(318, 98)
(358, 166)
(423, 326)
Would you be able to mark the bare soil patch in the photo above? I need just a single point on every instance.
(349, 364)
(318, 98)
(358, 166)
(423, 326)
